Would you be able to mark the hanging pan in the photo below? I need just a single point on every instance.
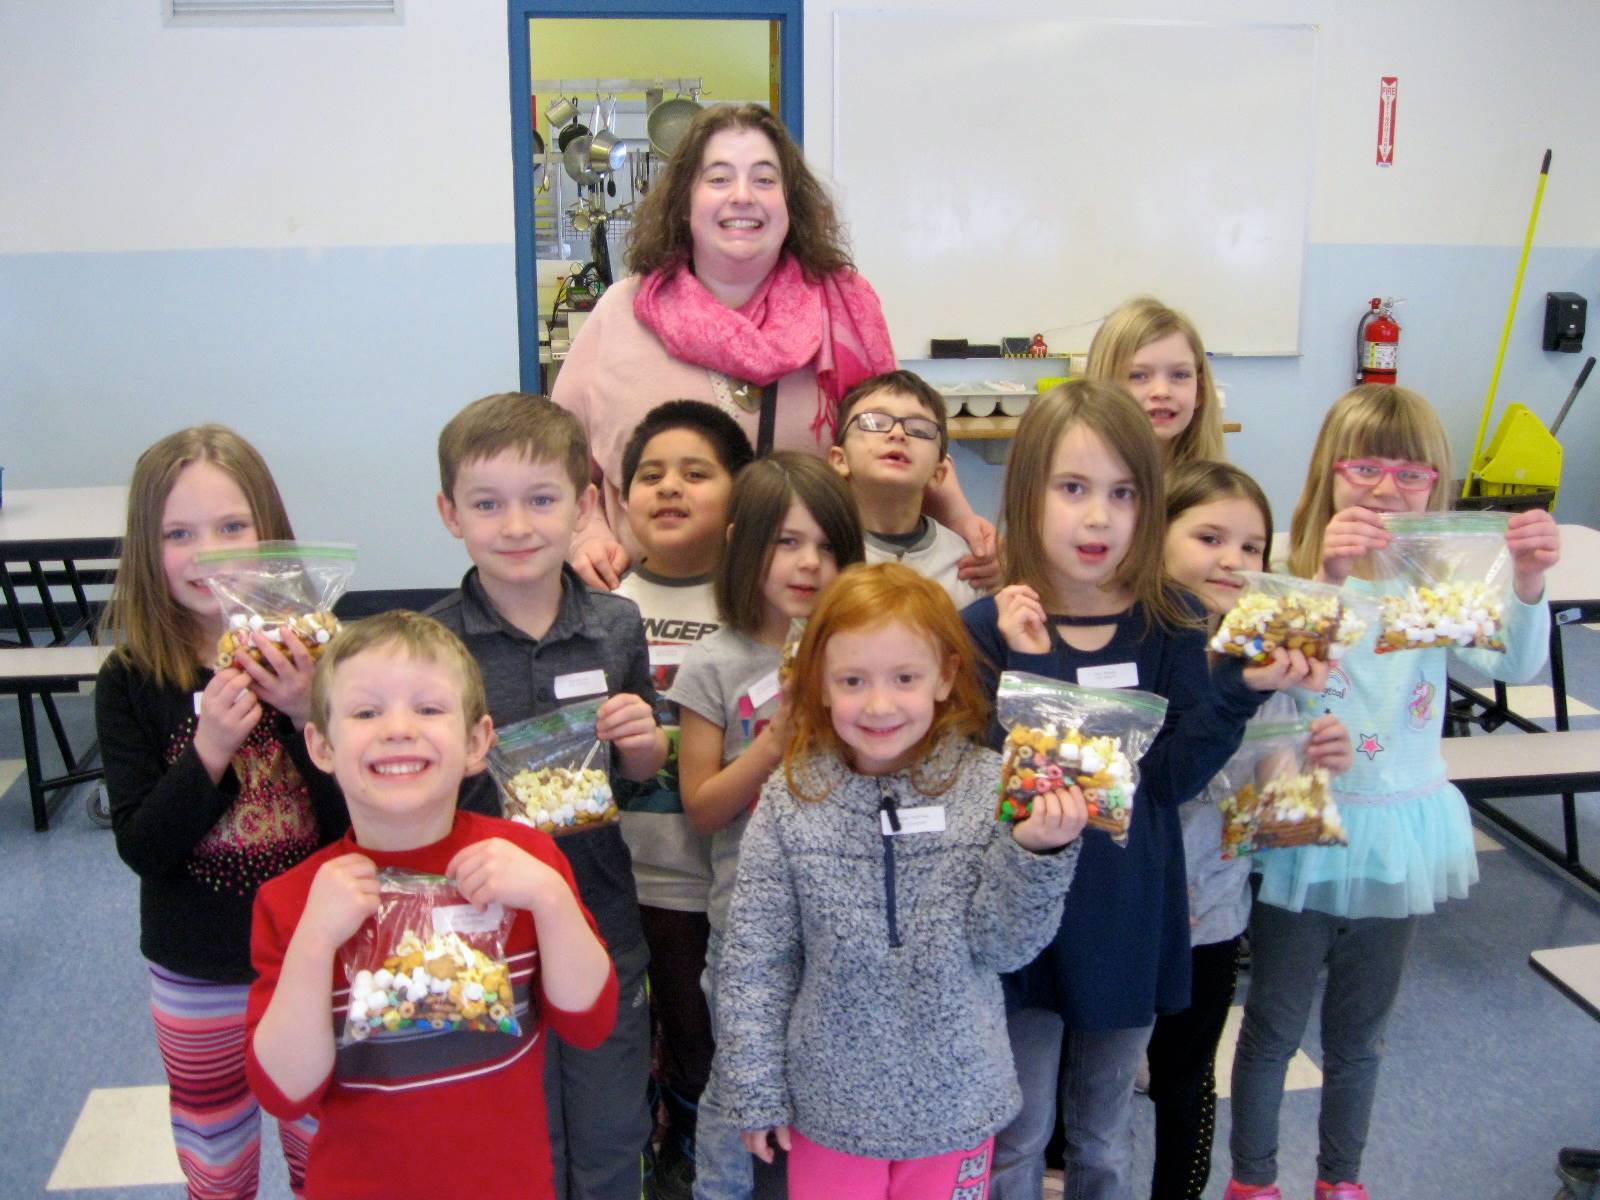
(607, 152)
(571, 133)
(575, 151)
(576, 159)
(669, 122)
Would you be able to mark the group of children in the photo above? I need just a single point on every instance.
(807, 932)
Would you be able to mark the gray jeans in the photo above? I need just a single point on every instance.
(723, 1168)
(1096, 1103)
(597, 1099)
(1365, 957)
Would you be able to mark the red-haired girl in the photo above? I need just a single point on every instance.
(878, 901)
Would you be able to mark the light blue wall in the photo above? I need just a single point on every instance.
(336, 356)
(1451, 325)
(323, 358)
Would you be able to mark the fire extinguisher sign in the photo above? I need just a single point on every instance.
(1388, 101)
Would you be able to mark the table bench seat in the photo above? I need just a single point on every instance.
(1524, 764)
(43, 671)
(1507, 766)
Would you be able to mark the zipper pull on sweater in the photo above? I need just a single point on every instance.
(886, 805)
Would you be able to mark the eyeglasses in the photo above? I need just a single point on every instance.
(924, 428)
(1408, 477)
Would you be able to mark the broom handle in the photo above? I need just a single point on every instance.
(1583, 378)
(1505, 336)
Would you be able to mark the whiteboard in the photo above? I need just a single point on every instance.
(1006, 175)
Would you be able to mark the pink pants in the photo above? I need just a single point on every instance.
(817, 1173)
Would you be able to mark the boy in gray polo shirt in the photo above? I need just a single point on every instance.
(514, 474)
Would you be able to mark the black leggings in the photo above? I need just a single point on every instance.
(1183, 1085)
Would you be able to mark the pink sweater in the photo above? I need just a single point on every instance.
(618, 371)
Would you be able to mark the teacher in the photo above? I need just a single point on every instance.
(743, 295)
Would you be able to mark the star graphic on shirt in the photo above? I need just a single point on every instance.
(1370, 746)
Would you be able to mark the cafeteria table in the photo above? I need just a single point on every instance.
(69, 526)
(1572, 590)
(46, 537)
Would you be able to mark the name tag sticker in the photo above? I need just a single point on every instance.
(669, 654)
(464, 918)
(1112, 675)
(580, 683)
(763, 689)
(927, 819)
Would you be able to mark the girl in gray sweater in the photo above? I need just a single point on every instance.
(878, 900)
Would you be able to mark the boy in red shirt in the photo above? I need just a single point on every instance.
(399, 718)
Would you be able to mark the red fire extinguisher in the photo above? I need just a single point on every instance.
(1378, 343)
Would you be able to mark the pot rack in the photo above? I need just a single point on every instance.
(686, 83)
(554, 226)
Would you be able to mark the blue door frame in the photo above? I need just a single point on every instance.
(790, 101)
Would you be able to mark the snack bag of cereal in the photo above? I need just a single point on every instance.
(554, 772)
(429, 963)
(278, 588)
(1318, 619)
(791, 649)
(1272, 797)
(1060, 734)
(1446, 580)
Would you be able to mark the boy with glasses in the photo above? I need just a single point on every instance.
(891, 445)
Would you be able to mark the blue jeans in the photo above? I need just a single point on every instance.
(1365, 957)
(1095, 1075)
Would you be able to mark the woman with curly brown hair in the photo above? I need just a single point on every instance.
(741, 294)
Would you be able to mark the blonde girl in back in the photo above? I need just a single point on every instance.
(1156, 354)
(1353, 909)
(212, 791)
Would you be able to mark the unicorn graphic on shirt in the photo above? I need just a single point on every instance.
(1420, 707)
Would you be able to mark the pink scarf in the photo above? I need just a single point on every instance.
(836, 325)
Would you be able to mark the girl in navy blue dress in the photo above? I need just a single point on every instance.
(1087, 601)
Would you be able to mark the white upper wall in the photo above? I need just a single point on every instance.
(1485, 88)
(125, 134)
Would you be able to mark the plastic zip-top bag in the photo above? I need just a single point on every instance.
(1445, 580)
(554, 772)
(1273, 796)
(789, 656)
(1273, 611)
(428, 963)
(1060, 734)
(278, 589)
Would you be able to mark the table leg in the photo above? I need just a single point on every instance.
(30, 752)
(84, 620)
(1558, 683)
(57, 728)
(57, 630)
(19, 622)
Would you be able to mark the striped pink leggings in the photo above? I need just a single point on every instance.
(216, 1121)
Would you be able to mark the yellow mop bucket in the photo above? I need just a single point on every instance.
(1523, 458)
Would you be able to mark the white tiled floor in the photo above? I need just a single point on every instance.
(1538, 703)
(123, 1138)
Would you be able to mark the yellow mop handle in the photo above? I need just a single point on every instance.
(1505, 336)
